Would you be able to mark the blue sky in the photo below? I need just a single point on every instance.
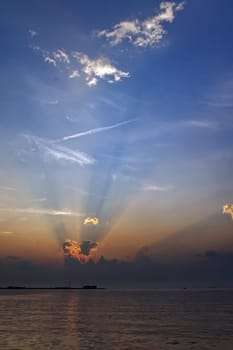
(121, 111)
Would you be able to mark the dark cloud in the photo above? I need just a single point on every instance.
(209, 233)
(87, 246)
(202, 260)
(211, 253)
(209, 268)
(13, 257)
(80, 251)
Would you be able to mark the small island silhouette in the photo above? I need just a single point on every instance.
(85, 287)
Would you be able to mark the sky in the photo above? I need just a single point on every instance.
(116, 141)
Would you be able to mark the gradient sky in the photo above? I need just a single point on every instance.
(120, 111)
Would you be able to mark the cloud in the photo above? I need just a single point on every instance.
(32, 33)
(144, 272)
(7, 188)
(13, 257)
(143, 33)
(52, 102)
(38, 211)
(156, 188)
(52, 150)
(114, 177)
(6, 233)
(74, 74)
(80, 251)
(92, 70)
(61, 153)
(228, 209)
(83, 193)
(43, 199)
(220, 95)
(92, 221)
(100, 68)
(97, 130)
(87, 246)
(61, 56)
(200, 124)
(55, 57)
(50, 60)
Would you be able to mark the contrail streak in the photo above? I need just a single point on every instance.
(96, 130)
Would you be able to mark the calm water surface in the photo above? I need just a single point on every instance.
(111, 319)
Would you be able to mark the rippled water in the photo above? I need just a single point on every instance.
(111, 319)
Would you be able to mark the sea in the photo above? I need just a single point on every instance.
(158, 319)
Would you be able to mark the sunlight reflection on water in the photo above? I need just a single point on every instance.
(119, 320)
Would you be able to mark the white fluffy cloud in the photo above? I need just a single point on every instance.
(55, 57)
(50, 60)
(79, 64)
(61, 56)
(100, 68)
(74, 74)
(143, 33)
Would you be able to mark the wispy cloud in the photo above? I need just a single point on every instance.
(32, 33)
(61, 153)
(6, 233)
(97, 130)
(159, 128)
(52, 150)
(55, 57)
(206, 124)
(156, 188)
(52, 102)
(143, 33)
(38, 211)
(220, 95)
(43, 199)
(100, 68)
(81, 192)
(7, 188)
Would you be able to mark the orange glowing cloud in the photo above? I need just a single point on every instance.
(90, 220)
(228, 209)
(81, 251)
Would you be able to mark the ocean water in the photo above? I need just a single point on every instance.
(116, 319)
